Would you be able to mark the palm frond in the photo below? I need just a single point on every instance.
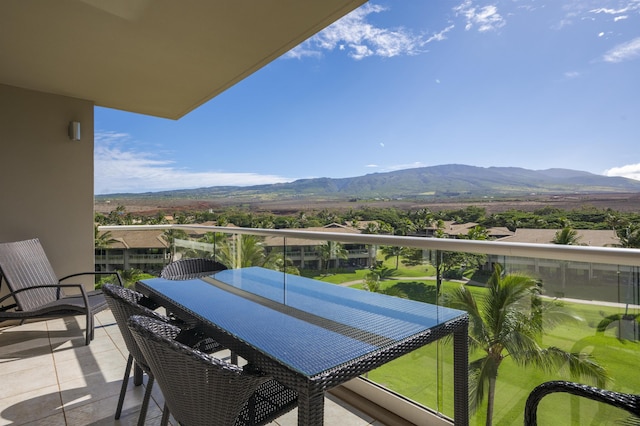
(462, 298)
(579, 366)
(552, 314)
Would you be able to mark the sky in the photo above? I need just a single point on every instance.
(399, 84)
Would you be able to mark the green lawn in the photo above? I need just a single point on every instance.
(415, 375)
(341, 276)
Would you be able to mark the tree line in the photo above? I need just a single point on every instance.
(403, 222)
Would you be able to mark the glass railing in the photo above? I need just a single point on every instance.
(584, 305)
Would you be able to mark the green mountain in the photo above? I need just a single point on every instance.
(446, 181)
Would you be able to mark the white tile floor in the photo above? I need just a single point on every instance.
(49, 377)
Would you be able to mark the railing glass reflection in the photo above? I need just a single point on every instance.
(590, 300)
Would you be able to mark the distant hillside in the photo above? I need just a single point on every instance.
(446, 181)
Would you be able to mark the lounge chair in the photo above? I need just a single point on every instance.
(38, 293)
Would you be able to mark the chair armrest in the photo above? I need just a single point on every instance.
(628, 402)
(58, 286)
(116, 273)
(6, 308)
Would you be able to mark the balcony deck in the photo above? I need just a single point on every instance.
(49, 377)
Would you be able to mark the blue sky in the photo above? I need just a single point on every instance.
(407, 83)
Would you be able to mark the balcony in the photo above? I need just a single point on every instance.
(600, 287)
(49, 377)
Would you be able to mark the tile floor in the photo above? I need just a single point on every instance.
(49, 377)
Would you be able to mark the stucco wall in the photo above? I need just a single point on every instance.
(46, 187)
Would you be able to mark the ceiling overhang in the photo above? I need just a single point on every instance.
(157, 57)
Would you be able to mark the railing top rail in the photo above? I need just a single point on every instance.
(606, 255)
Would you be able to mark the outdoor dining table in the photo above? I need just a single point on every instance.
(312, 335)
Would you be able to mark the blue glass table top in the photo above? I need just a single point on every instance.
(308, 325)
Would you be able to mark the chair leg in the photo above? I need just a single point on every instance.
(145, 401)
(89, 328)
(123, 389)
(93, 326)
(138, 374)
(165, 415)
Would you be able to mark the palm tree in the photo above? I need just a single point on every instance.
(372, 282)
(330, 250)
(478, 233)
(241, 251)
(171, 235)
(383, 273)
(102, 240)
(629, 236)
(392, 251)
(567, 236)
(213, 238)
(509, 322)
(371, 228)
(131, 276)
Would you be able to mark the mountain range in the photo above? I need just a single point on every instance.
(444, 181)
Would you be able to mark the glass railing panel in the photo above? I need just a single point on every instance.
(600, 307)
(238, 250)
(599, 302)
(424, 376)
(596, 318)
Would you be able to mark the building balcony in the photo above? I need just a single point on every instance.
(598, 287)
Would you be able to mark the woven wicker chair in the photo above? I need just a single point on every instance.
(38, 293)
(628, 402)
(125, 303)
(202, 390)
(190, 268)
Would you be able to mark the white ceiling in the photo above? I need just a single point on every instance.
(156, 57)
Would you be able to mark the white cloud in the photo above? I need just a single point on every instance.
(609, 11)
(413, 165)
(585, 10)
(633, 6)
(362, 39)
(396, 166)
(484, 18)
(442, 35)
(624, 51)
(631, 171)
(572, 74)
(118, 169)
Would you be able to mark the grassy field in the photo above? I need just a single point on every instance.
(415, 375)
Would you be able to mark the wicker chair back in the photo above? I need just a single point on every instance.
(203, 390)
(24, 264)
(124, 303)
(191, 268)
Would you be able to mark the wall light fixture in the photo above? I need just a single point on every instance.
(74, 130)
